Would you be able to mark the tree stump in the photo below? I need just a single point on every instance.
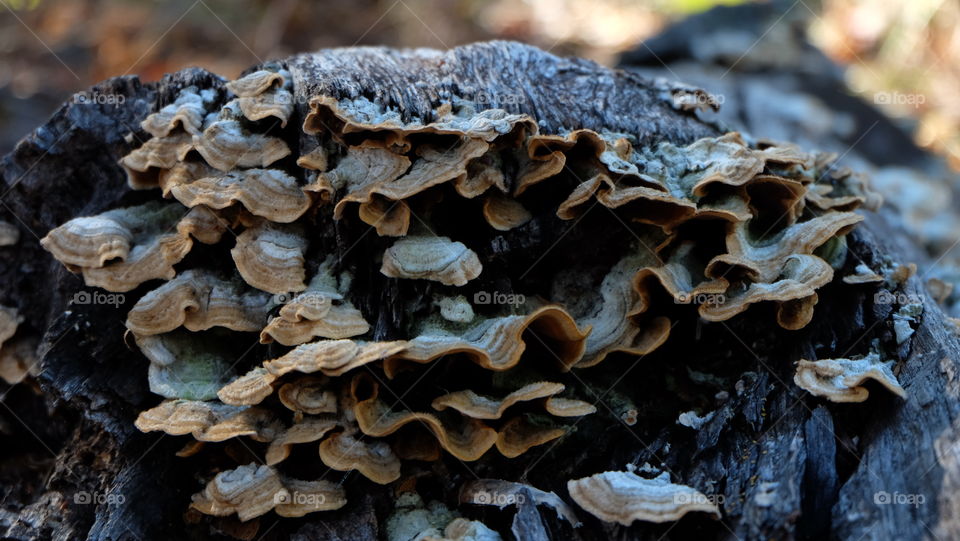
(784, 464)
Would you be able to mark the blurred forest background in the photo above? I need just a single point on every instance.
(902, 55)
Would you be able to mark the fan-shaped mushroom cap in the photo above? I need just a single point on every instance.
(763, 259)
(277, 103)
(269, 193)
(613, 327)
(208, 421)
(154, 256)
(9, 234)
(310, 395)
(271, 257)
(262, 94)
(144, 164)
(483, 173)
(498, 343)
(199, 300)
(840, 189)
(389, 218)
(467, 442)
(432, 167)
(180, 174)
(375, 460)
(713, 162)
(249, 389)
(363, 165)
(258, 82)
(317, 159)
(90, 241)
(568, 407)
(431, 258)
(340, 322)
(226, 144)
(319, 311)
(416, 443)
(251, 491)
(308, 430)
(649, 205)
(545, 157)
(841, 380)
(473, 405)
(798, 280)
(519, 435)
(708, 178)
(120, 249)
(185, 114)
(680, 273)
(863, 275)
(332, 357)
(360, 114)
(624, 497)
(504, 213)
(309, 497)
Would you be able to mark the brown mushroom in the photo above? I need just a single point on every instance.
(624, 497)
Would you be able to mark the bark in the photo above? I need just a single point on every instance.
(788, 466)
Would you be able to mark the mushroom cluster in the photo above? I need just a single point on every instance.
(261, 211)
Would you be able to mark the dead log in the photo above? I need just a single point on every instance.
(786, 465)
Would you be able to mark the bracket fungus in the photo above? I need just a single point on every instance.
(251, 491)
(264, 173)
(841, 380)
(319, 311)
(625, 497)
(269, 193)
(199, 301)
(431, 258)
